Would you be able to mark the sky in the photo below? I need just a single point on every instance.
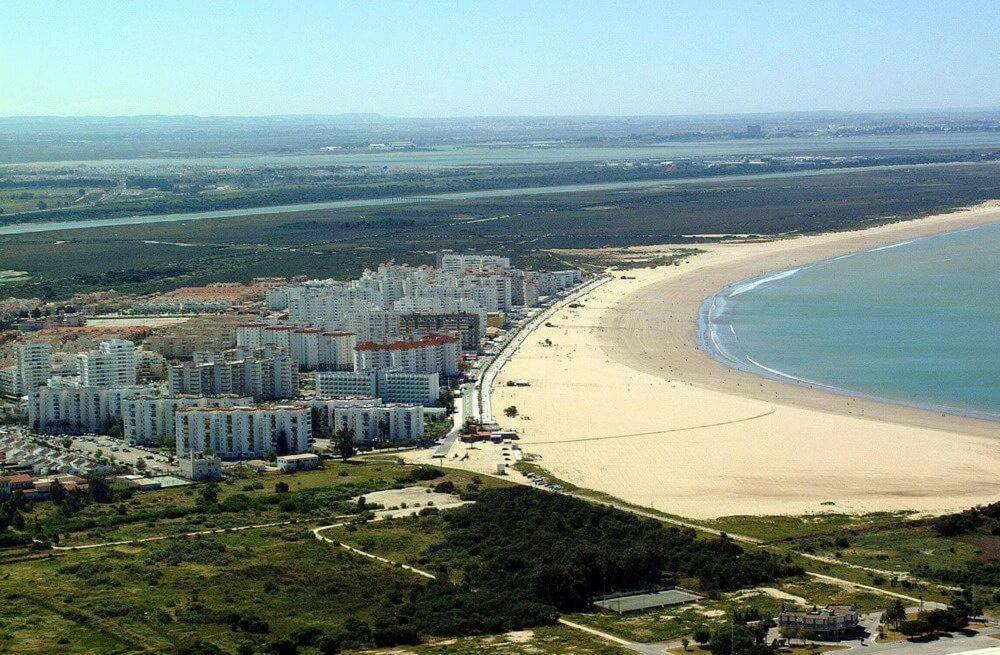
(499, 58)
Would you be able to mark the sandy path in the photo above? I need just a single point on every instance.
(624, 402)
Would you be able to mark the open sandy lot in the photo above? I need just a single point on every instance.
(623, 401)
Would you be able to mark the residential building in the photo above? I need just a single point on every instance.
(312, 348)
(114, 363)
(243, 432)
(34, 365)
(457, 263)
(392, 386)
(151, 419)
(432, 353)
(833, 621)
(263, 377)
(469, 327)
(369, 420)
(78, 410)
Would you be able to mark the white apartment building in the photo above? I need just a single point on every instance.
(10, 384)
(550, 282)
(312, 348)
(389, 385)
(77, 410)
(341, 384)
(370, 421)
(263, 378)
(243, 432)
(432, 353)
(457, 263)
(149, 419)
(114, 363)
(34, 365)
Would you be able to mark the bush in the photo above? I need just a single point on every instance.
(914, 627)
(446, 487)
(421, 474)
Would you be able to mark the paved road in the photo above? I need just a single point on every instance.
(510, 348)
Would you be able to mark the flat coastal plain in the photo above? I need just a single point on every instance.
(623, 401)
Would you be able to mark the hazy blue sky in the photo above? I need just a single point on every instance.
(76, 57)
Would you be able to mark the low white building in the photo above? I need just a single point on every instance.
(300, 462)
(243, 432)
(198, 466)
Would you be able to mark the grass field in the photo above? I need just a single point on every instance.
(313, 497)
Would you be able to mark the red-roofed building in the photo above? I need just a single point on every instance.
(432, 353)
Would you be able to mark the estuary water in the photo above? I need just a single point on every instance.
(915, 323)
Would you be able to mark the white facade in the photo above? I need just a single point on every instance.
(457, 263)
(336, 384)
(148, 419)
(312, 348)
(263, 378)
(370, 421)
(391, 386)
(114, 363)
(433, 353)
(34, 365)
(76, 410)
(243, 432)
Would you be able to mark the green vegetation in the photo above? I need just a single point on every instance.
(309, 496)
(340, 243)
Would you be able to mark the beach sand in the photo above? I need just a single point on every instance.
(624, 402)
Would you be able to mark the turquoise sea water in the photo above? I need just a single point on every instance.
(916, 323)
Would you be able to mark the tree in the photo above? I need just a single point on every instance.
(964, 603)
(895, 613)
(510, 412)
(209, 492)
(729, 639)
(702, 635)
(685, 643)
(344, 442)
(99, 489)
(915, 627)
(281, 443)
(281, 487)
(56, 492)
(140, 464)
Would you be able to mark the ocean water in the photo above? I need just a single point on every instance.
(916, 323)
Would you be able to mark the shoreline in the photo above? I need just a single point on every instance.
(623, 401)
(766, 258)
(708, 342)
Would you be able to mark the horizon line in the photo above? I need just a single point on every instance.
(360, 114)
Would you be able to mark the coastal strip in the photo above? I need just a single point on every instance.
(625, 363)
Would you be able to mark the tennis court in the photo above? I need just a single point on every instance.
(636, 602)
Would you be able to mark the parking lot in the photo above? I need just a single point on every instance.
(81, 454)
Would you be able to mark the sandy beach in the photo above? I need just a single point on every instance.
(624, 402)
